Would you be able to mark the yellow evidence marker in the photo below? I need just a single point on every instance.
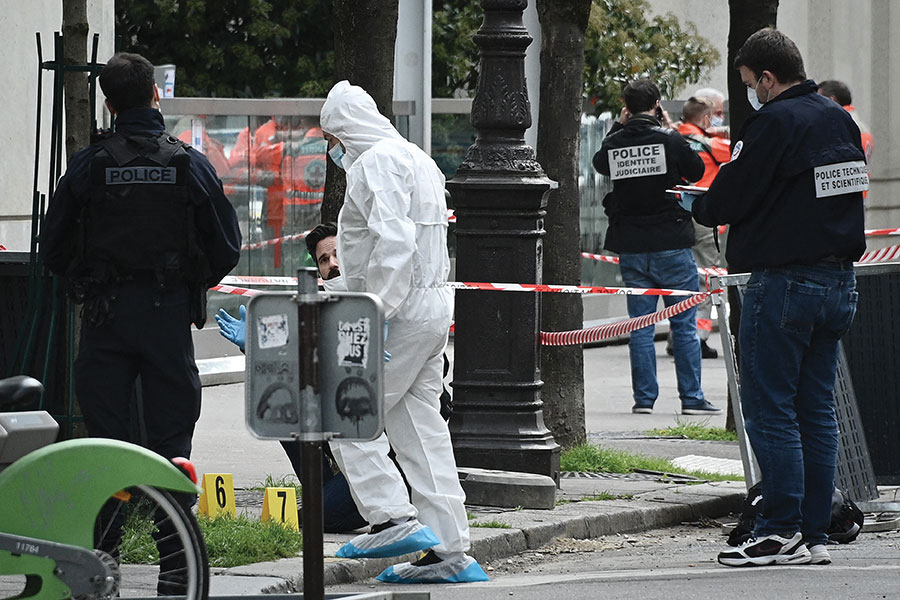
(280, 505)
(217, 497)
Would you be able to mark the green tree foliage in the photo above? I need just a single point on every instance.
(234, 48)
(454, 67)
(623, 43)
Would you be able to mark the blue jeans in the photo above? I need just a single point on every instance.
(791, 321)
(674, 269)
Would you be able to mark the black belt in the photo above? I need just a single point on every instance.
(835, 261)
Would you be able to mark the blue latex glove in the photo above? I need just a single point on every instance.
(387, 355)
(687, 200)
(233, 330)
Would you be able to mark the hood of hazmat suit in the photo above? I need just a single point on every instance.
(392, 230)
(392, 242)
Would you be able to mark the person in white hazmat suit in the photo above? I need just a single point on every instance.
(392, 241)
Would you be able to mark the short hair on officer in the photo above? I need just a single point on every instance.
(770, 50)
(319, 233)
(127, 81)
(640, 95)
(695, 109)
(838, 90)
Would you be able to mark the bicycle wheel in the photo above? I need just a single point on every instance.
(156, 543)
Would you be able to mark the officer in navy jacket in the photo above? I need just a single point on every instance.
(792, 194)
(653, 236)
(139, 227)
(785, 205)
(643, 159)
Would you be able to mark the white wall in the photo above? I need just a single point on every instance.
(839, 39)
(18, 72)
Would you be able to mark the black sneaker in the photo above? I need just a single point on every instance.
(642, 409)
(767, 550)
(707, 408)
(706, 351)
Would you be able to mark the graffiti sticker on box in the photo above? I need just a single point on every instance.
(353, 343)
(272, 331)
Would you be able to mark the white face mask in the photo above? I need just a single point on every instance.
(752, 97)
(335, 284)
(336, 153)
(717, 121)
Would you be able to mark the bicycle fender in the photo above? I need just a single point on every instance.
(55, 493)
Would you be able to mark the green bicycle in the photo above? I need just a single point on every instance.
(61, 513)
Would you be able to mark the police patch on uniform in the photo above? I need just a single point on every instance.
(132, 175)
(637, 161)
(841, 178)
(737, 149)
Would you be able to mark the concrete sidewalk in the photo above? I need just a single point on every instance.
(642, 501)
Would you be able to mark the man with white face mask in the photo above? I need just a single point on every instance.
(392, 241)
(792, 194)
(716, 98)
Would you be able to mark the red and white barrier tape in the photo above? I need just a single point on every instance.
(227, 289)
(615, 260)
(601, 257)
(258, 280)
(882, 232)
(566, 289)
(2, 247)
(888, 254)
(595, 334)
(286, 238)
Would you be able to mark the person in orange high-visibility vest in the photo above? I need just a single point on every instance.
(697, 116)
(257, 158)
(840, 93)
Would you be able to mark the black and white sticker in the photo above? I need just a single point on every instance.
(637, 161)
(353, 343)
(272, 331)
(841, 178)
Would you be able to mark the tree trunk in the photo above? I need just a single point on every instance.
(365, 32)
(563, 23)
(77, 102)
(746, 17)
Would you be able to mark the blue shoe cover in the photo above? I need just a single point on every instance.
(398, 540)
(456, 570)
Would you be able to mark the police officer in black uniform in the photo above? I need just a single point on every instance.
(653, 237)
(139, 227)
(792, 194)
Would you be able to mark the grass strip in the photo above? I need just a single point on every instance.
(696, 431)
(588, 458)
(230, 541)
(242, 540)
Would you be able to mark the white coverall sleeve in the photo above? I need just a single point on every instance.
(386, 252)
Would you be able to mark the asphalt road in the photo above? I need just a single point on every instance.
(677, 563)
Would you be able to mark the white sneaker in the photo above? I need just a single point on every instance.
(819, 555)
(767, 550)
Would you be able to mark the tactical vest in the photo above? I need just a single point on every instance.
(139, 221)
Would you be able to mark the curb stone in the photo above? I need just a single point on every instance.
(531, 529)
